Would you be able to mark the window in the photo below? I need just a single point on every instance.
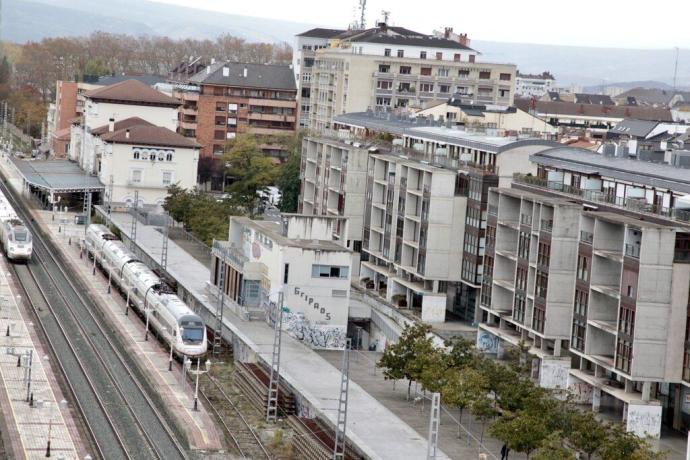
(519, 308)
(626, 324)
(505, 77)
(582, 268)
(384, 84)
(579, 332)
(444, 88)
(542, 284)
(521, 279)
(167, 178)
(456, 57)
(485, 75)
(384, 68)
(422, 55)
(401, 53)
(426, 87)
(387, 52)
(219, 135)
(136, 154)
(405, 70)
(169, 156)
(286, 272)
(442, 72)
(624, 355)
(220, 107)
(425, 71)
(580, 305)
(232, 107)
(538, 319)
(472, 57)
(232, 121)
(523, 245)
(463, 73)
(439, 55)
(136, 176)
(544, 254)
(329, 271)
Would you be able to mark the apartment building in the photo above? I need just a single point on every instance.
(334, 178)
(466, 164)
(306, 45)
(620, 239)
(296, 262)
(531, 85)
(388, 67)
(227, 98)
(69, 104)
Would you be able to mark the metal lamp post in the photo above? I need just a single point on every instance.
(198, 372)
(63, 404)
(172, 341)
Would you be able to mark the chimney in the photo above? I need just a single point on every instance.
(244, 73)
(464, 40)
(111, 125)
(208, 70)
(382, 26)
(127, 133)
(226, 71)
(447, 32)
(213, 61)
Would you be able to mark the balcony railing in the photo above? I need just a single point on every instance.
(586, 237)
(546, 225)
(632, 250)
(525, 219)
(597, 196)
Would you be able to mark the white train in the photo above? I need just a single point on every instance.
(15, 237)
(147, 291)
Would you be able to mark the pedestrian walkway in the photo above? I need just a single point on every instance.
(175, 390)
(25, 369)
(372, 427)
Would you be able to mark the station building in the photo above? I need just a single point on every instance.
(295, 264)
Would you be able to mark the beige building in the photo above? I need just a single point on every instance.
(387, 67)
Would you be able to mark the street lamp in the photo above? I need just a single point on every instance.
(172, 341)
(197, 372)
(63, 404)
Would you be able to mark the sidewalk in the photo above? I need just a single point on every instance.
(377, 431)
(28, 427)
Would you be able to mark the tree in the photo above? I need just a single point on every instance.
(554, 449)
(461, 388)
(288, 179)
(251, 171)
(525, 432)
(397, 358)
(623, 444)
(587, 434)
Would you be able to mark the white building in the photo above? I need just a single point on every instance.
(297, 257)
(116, 102)
(145, 158)
(528, 85)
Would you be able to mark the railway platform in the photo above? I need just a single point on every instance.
(26, 369)
(175, 390)
(372, 427)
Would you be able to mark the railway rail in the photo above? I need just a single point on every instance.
(106, 384)
(245, 439)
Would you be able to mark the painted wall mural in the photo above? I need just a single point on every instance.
(317, 336)
(487, 342)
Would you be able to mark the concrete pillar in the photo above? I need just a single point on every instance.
(629, 386)
(596, 399)
(557, 347)
(599, 371)
(646, 391)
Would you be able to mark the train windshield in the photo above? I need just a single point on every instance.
(192, 334)
(21, 236)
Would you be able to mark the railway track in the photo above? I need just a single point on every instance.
(106, 384)
(244, 438)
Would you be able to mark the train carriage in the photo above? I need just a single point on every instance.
(14, 235)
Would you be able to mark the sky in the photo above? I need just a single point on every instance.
(600, 23)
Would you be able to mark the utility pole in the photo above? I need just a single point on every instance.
(434, 422)
(133, 230)
(110, 199)
(341, 424)
(218, 332)
(272, 407)
(87, 210)
(164, 249)
(675, 71)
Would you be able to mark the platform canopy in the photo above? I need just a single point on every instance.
(57, 176)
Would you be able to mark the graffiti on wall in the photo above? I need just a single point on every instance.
(316, 336)
(554, 373)
(487, 342)
(644, 420)
(580, 392)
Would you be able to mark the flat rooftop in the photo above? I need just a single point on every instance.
(536, 197)
(636, 171)
(58, 176)
(631, 221)
(274, 230)
(424, 128)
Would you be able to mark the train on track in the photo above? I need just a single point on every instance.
(168, 315)
(14, 235)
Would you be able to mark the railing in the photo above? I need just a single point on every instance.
(632, 204)
(443, 161)
(586, 237)
(632, 250)
(547, 225)
(526, 219)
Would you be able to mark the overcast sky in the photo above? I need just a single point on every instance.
(603, 23)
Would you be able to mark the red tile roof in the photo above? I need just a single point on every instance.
(149, 135)
(132, 91)
(122, 124)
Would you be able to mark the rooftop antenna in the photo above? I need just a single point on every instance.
(386, 15)
(362, 9)
(675, 71)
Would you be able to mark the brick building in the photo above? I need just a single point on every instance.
(228, 98)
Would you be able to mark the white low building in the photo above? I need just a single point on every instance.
(126, 99)
(146, 159)
(296, 259)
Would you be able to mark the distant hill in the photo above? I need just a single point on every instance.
(24, 20)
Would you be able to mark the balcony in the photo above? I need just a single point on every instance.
(384, 92)
(189, 111)
(586, 237)
(596, 196)
(188, 124)
(546, 225)
(493, 210)
(526, 219)
(632, 250)
(271, 117)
